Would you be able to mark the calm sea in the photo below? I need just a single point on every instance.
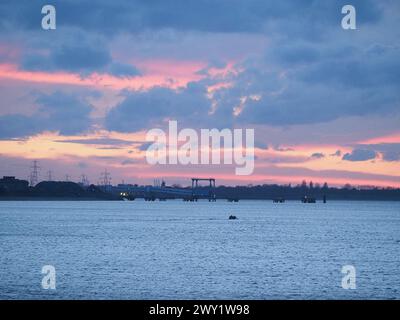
(179, 250)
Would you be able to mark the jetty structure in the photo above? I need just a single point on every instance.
(163, 192)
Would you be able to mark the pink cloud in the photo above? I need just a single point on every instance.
(181, 77)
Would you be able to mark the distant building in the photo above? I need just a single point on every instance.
(9, 184)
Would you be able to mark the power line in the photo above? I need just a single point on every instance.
(105, 180)
(84, 180)
(34, 176)
(49, 175)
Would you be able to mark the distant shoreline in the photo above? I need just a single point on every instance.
(19, 190)
(51, 199)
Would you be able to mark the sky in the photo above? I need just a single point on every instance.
(324, 101)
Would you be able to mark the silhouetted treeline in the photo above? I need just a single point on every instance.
(11, 188)
(269, 192)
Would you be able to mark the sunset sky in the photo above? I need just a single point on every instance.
(324, 101)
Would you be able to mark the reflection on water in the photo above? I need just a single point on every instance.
(179, 250)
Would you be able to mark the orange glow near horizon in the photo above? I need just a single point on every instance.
(271, 179)
(69, 150)
(393, 138)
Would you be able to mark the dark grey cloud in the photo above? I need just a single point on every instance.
(360, 155)
(16, 125)
(144, 146)
(357, 68)
(64, 113)
(305, 17)
(338, 153)
(280, 149)
(389, 151)
(391, 155)
(99, 141)
(36, 62)
(317, 87)
(144, 110)
(289, 54)
(83, 58)
(283, 159)
(260, 143)
(214, 63)
(128, 162)
(317, 155)
(123, 70)
(317, 84)
(80, 57)
(56, 112)
(312, 70)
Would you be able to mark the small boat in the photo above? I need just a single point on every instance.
(306, 199)
(232, 217)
